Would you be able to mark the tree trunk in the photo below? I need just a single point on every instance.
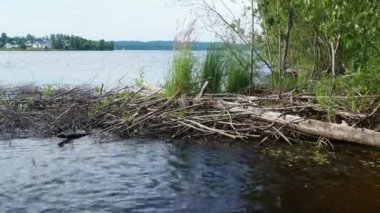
(286, 47)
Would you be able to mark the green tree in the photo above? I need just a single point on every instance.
(4, 38)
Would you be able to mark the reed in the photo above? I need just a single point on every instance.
(213, 69)
(180, 77)
(238, 77)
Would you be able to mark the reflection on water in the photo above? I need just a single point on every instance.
(158, 176)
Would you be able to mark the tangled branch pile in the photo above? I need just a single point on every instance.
(143, 113)
(134, 114)
(32, 111)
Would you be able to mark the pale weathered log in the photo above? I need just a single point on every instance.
(153, 89)
(312, 127)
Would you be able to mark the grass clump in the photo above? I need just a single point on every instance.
(213, 69)
(48, 90)
(238, 77)
(180, 76)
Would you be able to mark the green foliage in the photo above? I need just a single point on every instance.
(213, 69)
(4, 38)
(358, 87)
(106, 102)
(351, 27)
(140, 81)
(224, 69)
(66, 42)
(180, 76)
(98, 89)
(237, 74)
(2, 96)
(59, 42)
(300, 156)
(48, 90)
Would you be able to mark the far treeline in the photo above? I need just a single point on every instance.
(54, 42)
(60, 41)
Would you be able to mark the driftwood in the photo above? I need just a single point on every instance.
(313, 127)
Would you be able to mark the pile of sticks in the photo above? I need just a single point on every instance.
(146, 112)
(29, 111)
(246, 118)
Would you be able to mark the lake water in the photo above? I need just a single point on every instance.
(162, 176)
(112, 68)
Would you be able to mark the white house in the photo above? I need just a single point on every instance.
(37, 44)
(28, 44)
(10, 46)
(42, 45)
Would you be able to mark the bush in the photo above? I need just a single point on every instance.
(358, 87)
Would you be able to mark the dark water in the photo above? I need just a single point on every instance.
(158, 176)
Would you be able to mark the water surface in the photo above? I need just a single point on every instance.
(163, 176)
(84, 67)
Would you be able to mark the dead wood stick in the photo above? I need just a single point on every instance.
(62, 94)
(211, 129)
(368, 116)
(232, 125)
(282, 135)
(201, 92)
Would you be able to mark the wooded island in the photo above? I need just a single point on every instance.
(52, 42)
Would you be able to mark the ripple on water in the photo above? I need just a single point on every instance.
(155, 176)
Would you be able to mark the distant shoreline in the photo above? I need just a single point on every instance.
(58, 50)
(43, 50)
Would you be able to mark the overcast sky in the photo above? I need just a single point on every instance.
(94, 19)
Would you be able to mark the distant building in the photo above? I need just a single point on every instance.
(42, 44)
(11, 46)
(37, 44)
(28, 44)
(48, 45)
(66, 45)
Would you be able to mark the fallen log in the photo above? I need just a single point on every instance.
(152, 89)
(310, 126)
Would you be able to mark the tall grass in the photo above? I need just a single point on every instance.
(213, 69)
(180, 76)
(238, 77)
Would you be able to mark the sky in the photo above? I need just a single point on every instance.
(142, 20)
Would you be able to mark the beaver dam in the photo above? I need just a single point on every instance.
(146, 112)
